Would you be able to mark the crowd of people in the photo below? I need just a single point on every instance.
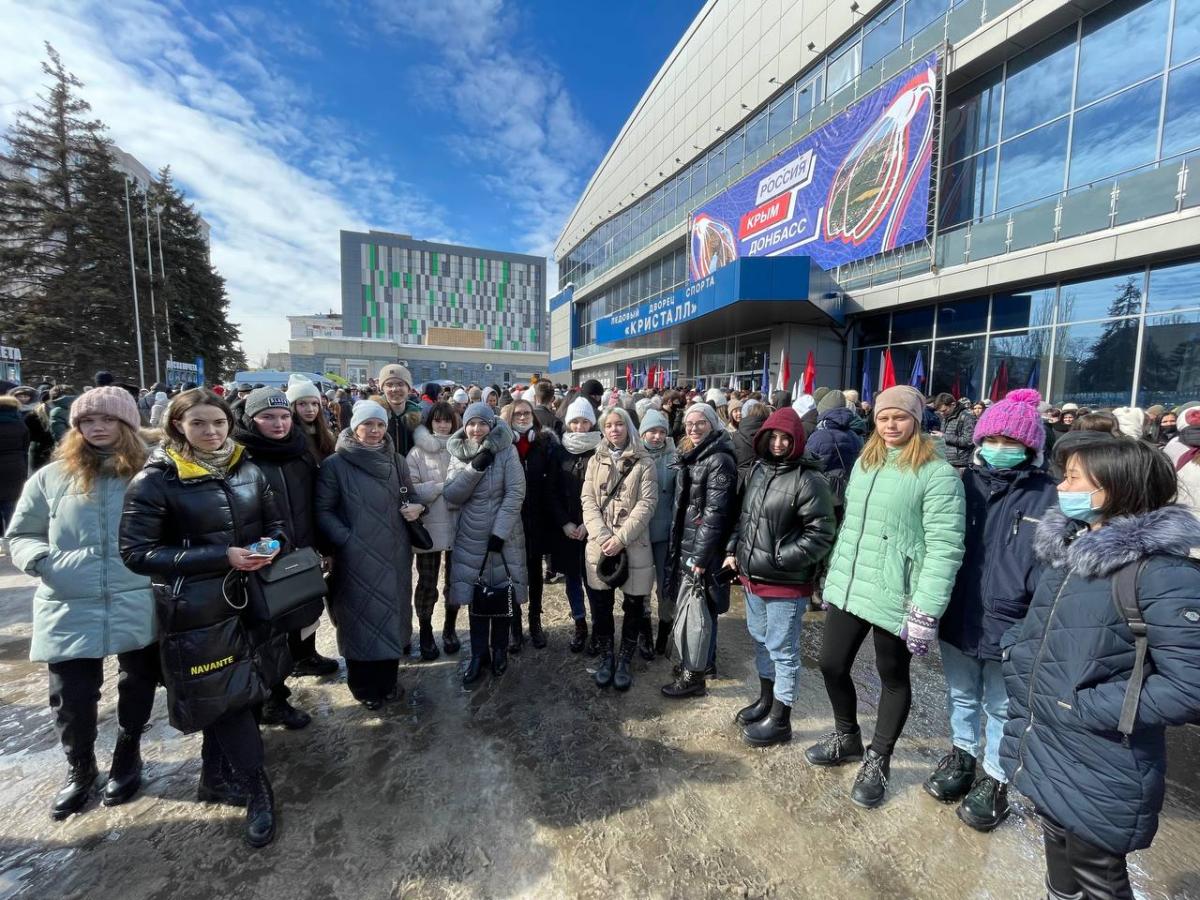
(1046, 552)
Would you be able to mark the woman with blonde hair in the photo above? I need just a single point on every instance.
(88, 605)
(890, 576)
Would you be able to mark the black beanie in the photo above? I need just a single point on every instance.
(103, 378)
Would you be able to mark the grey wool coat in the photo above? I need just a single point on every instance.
(487, 503)
(358, 513)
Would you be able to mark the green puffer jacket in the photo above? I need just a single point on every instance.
(900, 544)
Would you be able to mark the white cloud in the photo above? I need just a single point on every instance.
(275, 181)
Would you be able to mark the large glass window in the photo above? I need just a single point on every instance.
(1170, 360)
(919, 13)
(756, 133)
(1100, 298)
(912, 325)
(1123, 42)
(881, 38)
(1093, 363)
(714, 357)
(781, 113)
(973, 119)
(1185, 42)
(962, 317)
(1116, 134)
(842, 68)
(874, 329)
(957, 366)
(969, 189)
(1032, 166)
(1016, 361)
(1181, 129)
(1174, 287)
(1038, 87)
(1023, 309)
(904, 359)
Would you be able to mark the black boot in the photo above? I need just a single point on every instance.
(836, 748)
(593, 645)
(581, 636)
(953, 777)
(450, 642)
(537, 636)
(277, 711)
(870, 783)
(125, 773)
(218, 781)
(604, 672)
(479, 649)
(622, 679)
(260, 810)
(664, 636)
(500, 646)
(518, 631)
(315, 665)
(686, 684)
(81, 778)
(986, 805)
(774, 728)
(645, 641)
(429, 647)
(757, 711)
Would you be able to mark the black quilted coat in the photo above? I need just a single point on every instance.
(706, 506)
(177, 524)
(358, 514)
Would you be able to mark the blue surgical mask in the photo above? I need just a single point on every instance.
(1078, 505)
(1003, 457)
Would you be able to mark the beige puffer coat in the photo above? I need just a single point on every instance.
(627, 515)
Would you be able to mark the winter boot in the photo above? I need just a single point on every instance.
(581, 636)
(260, 810)
(315, 665)
(664, 636)
(81, 778)
(757, 711)
(125, 773)
(645, 641)
(500, 646)
(429, 647)
(277, 711)
(518, 632)
(537, 636)
(450, 642)
(953, 777)
(604, 672)
(686, 684)
(870, 783)
(836, 748)
(479, 650)
(774, 728)
(986, 805)
(622, 679)
(593, 645)
(218, 781)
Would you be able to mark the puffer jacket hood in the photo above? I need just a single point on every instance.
(500, 437)
(1067, 544)
(788, 422)
(840, 418)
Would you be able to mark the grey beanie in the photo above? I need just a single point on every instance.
(819, 394)
(831, 400)
(480, 410)
(262, 399)
(654, 419)
(367, 409)
(708, 411)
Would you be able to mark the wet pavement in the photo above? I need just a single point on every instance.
(533, 785)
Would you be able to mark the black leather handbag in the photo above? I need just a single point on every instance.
(289, 593)
(418, 534)
(493, 601)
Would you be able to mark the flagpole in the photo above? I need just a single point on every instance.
(150, 271)
(162, 271)
(137, 317)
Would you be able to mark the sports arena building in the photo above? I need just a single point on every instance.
(1002, 192)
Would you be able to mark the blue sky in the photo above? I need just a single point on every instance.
(473, 121)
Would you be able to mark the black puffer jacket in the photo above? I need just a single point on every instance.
(536, 518)
(958, 430)
(178, 522)
(786, 526)
(14, 454)
(290, 469)
(743, 442)
(705, 506)
(565, 483)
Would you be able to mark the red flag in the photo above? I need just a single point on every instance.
(955, 389)
(651, 375)
(628, 377)
(889, 373)
(784, 383)
(810, 373)
(1000, 382)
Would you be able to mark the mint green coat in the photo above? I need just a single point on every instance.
(900, 544)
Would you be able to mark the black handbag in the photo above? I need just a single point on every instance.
(418, 534)
(614, 570)
(493, 601)
(289, 593)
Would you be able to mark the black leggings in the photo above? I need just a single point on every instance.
(75, 695)
(633, 607)
(843, 636)
(1075, 868)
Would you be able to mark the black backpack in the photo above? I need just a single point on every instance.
(1125, 598)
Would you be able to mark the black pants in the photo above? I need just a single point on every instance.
(426, 594)
(300, 648)
(843, 636)
(75, 695)
(372, 679)
(236, 738)
(633, 607)
(537, 587)
(1075, 868)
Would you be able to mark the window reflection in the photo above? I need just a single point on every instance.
(1174, 287)
(968, 189)
(1098, 298)
(1123, 42)
(1116, 134)
(958, 366)
(1016, 361)
(1023, 309)
(1032, 166)
(1038, 86)
(973, 117)
(881, 39)
(1181, 130)
(1185, 42)
(1093, 362)
(962, 317)
(1170, 359)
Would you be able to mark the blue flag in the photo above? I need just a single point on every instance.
(865, 394)
(1035, 375)
(766, 377)
(917, 379)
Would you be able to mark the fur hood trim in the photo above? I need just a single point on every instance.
(428, 441)
(1065, 543)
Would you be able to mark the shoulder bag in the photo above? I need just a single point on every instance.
(418, 534)
(492, 601)
(289, 593)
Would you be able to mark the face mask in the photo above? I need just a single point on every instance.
(1003, 457)
(654, 442)
(1078, 505)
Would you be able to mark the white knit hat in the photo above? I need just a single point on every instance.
(367, 409)
(717, 396)
(580, 408)
(460, 396)
(299, 387)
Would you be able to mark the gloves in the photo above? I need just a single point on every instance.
(919, 631)
(495, 543)
(482, 459)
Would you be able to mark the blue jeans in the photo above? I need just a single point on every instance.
(775, 627)
(575, 585)
(974, 687)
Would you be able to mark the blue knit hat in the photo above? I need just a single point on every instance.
(480, 410)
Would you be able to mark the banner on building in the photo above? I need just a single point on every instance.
(855, 187)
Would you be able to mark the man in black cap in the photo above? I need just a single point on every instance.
(594, 391)
(103, 378)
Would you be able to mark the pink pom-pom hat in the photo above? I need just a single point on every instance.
(1016, 417)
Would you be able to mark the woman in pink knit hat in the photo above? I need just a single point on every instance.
(1007, 490)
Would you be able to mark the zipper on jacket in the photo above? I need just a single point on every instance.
(1037, 661)
(1016, 526)
(861, 531)
(104, 566)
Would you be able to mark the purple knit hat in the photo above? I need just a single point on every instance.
(106, 401)
(1016, 417)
